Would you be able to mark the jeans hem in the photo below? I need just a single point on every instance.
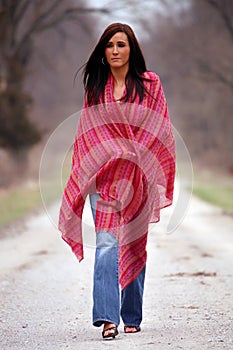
(100, 321)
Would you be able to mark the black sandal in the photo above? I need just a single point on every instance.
(136, 329)
(111, 334)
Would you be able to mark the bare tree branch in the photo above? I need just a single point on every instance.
(225, 8)
(43, 22)
(208, 70)
(23, 6)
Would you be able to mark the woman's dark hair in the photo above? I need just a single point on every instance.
(96, 73)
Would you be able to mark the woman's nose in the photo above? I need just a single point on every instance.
(115, 50)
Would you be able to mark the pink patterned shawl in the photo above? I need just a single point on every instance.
(126, 153)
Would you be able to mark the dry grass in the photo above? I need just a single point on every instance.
(216, 189)
(16, 202)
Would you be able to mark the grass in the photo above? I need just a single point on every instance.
(17, 202)
(216, 190)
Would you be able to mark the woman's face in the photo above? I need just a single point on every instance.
(117, 50)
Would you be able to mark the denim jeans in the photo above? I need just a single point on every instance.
(108, 303)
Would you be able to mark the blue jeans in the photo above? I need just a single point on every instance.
(108, 304)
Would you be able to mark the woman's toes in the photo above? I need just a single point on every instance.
(107, 328)
(130, 329)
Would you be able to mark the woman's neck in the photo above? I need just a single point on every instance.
(119, 75)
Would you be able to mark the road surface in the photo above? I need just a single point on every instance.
(46, 301)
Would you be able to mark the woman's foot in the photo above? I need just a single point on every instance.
(132, 329)
(110, 330)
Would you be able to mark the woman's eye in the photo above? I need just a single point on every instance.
(109, 45)
(121, 45)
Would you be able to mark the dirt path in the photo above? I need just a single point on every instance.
(45, 295)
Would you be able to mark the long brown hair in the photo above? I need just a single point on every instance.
(96, 73)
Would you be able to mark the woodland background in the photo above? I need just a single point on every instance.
(188, 43)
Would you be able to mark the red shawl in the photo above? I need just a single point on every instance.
(126, 153)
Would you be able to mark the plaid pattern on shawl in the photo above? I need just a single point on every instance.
(126, 153)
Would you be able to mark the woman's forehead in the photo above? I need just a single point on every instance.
(119, 36)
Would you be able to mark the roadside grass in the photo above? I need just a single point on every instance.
(17, 202)
(217, 191)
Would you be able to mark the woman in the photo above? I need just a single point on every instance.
(124, 158)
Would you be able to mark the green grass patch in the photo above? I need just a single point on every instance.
(217, 194)
(17, 202)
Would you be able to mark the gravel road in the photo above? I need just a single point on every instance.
(46, 301)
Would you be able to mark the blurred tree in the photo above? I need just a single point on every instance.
(20, 23)
(193, 55)
(225, 9)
